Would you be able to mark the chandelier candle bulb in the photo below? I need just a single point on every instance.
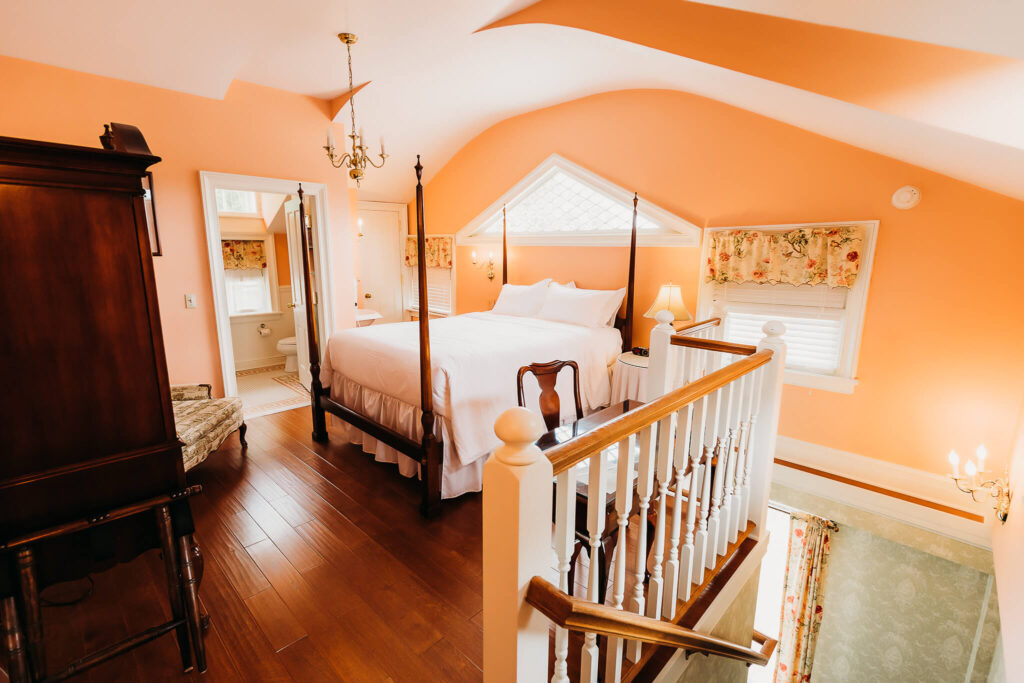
(981, 453)
(954, 461)
(971, 471)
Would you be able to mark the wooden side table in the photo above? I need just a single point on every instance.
(629, 378)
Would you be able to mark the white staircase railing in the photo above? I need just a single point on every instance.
(698, 453)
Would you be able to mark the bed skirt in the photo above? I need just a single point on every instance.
(401, 417)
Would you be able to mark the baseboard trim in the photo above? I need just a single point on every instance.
(923, 499)
(254, 363)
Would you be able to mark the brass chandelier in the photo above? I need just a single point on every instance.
(356, 160)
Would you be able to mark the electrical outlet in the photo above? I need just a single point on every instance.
(190, 301)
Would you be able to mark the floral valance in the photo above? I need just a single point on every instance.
(244, 254)
(438, 248)
(805, 256)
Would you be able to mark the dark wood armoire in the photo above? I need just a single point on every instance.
(90, 466)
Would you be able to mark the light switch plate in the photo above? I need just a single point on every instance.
(190, 301)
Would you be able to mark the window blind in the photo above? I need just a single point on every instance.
(814, 318)
(439, 290)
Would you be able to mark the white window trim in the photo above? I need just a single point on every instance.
(856, 305)
(685, 233)
(268, 249)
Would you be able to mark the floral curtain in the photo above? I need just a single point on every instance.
(438, 248)
(244, 254)
(806, 570)
(806, 256)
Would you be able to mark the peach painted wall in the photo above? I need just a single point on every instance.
(253, 131)
(945, 283)
(284, 272)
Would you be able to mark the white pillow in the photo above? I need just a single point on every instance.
(615, 298)
(521, 300)
(585, 307)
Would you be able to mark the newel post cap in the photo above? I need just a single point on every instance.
(518, 428)
(664, 317)
(773, 329)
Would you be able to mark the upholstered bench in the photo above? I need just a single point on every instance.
(202, 422)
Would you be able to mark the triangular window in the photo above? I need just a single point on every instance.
(562, 203)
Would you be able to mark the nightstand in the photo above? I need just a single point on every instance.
(629, 378)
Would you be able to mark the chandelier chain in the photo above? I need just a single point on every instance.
(351, 87)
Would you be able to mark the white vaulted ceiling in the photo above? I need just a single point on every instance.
(436, 82)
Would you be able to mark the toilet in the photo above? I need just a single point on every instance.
(288, 347)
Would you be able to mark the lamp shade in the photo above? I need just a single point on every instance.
(670, 298)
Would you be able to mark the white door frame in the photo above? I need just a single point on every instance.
(403, 231)
(209, 182)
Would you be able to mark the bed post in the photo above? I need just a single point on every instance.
(504, 248)
(433, 453)
(627, 332)
(316, 389)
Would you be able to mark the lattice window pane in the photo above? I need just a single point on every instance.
(560, 204)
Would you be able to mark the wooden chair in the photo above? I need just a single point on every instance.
(547, 377)
(551, 411)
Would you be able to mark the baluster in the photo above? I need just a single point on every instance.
(623, 506)
(751, 440)
(716, 484)
(565, 538)
(728, 465)
(701, 540)
(687, 554)
(738, 521)
(663, 471)
(684, 426)
(644, 488)
(596, 513)
(697, 448)
(684, 422)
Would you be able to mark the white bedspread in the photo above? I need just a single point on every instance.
(474, 361)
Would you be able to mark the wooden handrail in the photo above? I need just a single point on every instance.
(564, 456)
(767, 644)
(714, 345)
(693, 326)
(577, 614)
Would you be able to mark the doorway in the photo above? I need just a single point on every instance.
(382, 231)
(255, 245)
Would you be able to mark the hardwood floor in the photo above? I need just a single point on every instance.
(318, 568)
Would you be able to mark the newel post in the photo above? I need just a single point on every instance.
(766, 427)
(517, 546)
(659, 365)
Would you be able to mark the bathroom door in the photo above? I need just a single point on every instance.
(298, 303)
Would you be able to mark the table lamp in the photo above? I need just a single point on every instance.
(670, 298)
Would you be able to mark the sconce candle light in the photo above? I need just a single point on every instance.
(975, 482)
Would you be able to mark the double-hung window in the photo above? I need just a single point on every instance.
(823, 314)
(249, 275)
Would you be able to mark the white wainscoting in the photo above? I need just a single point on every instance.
(254, 351)
(928, 486)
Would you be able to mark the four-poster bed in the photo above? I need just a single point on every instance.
(370, 376)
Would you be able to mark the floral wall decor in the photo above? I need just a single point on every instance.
(829, 255)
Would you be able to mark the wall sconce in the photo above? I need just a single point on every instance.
(490, 263)
(999, 489)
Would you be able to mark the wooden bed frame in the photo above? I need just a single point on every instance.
(428, 452)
